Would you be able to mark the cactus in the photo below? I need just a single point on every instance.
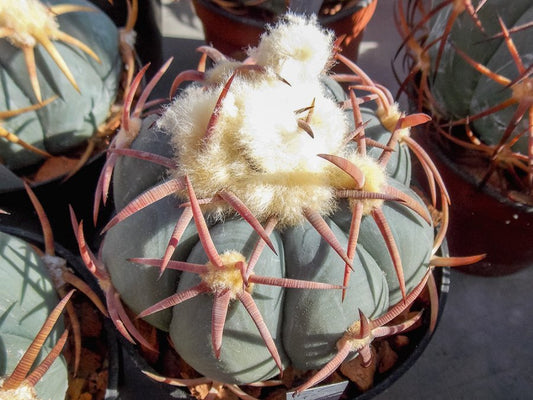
(37, 269)
(472, 60)
(67, 52)
(62, 277)
(130, 123)
(28, 297)
(254, 225)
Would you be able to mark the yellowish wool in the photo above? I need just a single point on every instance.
(27, 19)
(353, 336)
(268, 127)
(221, 72)
(375, 179)
(228, 277)
(23, 392)
(375, 176)
(256, 149)
(390, 120)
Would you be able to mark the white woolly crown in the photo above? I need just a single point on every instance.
(258, 148)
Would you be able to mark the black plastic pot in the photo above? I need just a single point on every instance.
(77, 265)
(134, 383)
(56, 195)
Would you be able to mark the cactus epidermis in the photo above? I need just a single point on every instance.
(27, 298)
(265, 139)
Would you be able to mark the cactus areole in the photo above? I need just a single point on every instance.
(269, 229)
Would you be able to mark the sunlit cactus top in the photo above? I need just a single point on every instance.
(270, 128)
(26, 19)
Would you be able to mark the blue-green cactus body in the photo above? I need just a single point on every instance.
(462, 91)
(302, 254)
(244, 356)
(27, 299)
(403, 223)
(399, 165)
(315, 320)
(73, 117)
(127, 186)
(157, 224)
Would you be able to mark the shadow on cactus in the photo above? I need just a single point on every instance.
(263, 182)
(468, 64)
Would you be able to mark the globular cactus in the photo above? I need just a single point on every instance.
(470, 62)
(254, 225)
(65, 53)
(28, 297)
(62, 277)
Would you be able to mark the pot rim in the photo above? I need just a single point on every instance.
(463, 174)
(260, 23)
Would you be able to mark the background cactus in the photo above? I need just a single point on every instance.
(473, 74)
(277, 162)
(28, 297)
(77, 61)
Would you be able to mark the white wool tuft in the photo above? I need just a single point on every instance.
(257, 149)
(25, 19)
(297, 48)
(22, 392)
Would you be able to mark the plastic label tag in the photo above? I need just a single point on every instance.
(326, 392)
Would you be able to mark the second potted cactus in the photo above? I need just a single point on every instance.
(37, 65)
(469, 68)
(35, 270)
